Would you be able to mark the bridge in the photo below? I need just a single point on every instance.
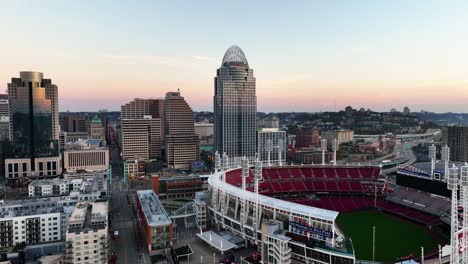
(431, 133)
(185, 211)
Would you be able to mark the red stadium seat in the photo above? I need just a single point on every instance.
(319, 186)
(318, 172)
(296, 173)
(307, 172)
(331, 186)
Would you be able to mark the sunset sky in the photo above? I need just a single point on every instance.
(307, 55)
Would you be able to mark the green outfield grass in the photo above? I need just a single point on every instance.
(395, 237)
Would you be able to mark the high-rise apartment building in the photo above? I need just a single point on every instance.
(34, 126)
(456, 138)
(182, 144)
(235, 106)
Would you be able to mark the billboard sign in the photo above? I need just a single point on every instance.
(302, 227)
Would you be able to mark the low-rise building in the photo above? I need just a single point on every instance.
(81, 174)
(205, 133)
(312, 156)
(174, 187)
(308, 137)
(87, 235)
(343, 136)
(58, 187)
(19, 212)
(155, 221)
(86, 155)
(21, 168)
(30, 225)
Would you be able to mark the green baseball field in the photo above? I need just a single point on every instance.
(395, 237)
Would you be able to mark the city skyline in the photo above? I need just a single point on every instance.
(326, 55)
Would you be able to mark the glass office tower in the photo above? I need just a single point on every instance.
(235, 106)
(34, 126)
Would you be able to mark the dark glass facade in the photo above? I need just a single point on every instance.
(31, 117)
(235, 106)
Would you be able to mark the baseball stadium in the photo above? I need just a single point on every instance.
(325, 213)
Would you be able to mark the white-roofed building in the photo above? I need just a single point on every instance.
(155, 220)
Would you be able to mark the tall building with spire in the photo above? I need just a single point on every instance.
(235, 106)
(182, 144)
(34, 127)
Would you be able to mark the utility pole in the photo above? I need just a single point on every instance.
(422, 255)
(373, 243)
(440, 254)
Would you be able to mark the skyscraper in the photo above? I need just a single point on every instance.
(4, 117)
(141, 131)
(456, 137)
(138, 108)
(235, 106)
(182, 145)
(34, 127)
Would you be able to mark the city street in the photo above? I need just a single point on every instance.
(130, 247)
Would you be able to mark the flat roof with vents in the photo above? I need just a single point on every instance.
(153, 209)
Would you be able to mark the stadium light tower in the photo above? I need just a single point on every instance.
(323, 146)
(452, 184)
(245, 172)
(225, 162)
(269, 149)
(217, 162)
(432, 157)
(446, 158)
(464, 203)
(334, 148)
(258, 178)
(280, 151)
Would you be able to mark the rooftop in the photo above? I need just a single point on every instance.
(88, 215)
(216, 241)
(85, 144)
(96, 120)
(154, 211)
(215, 181)
(39, 183)
(87, 185)
(27, 211)
(234, 54)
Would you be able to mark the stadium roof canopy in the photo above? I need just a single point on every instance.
(215, 181)
(216, 241)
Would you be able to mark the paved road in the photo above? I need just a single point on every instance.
(131, 245)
